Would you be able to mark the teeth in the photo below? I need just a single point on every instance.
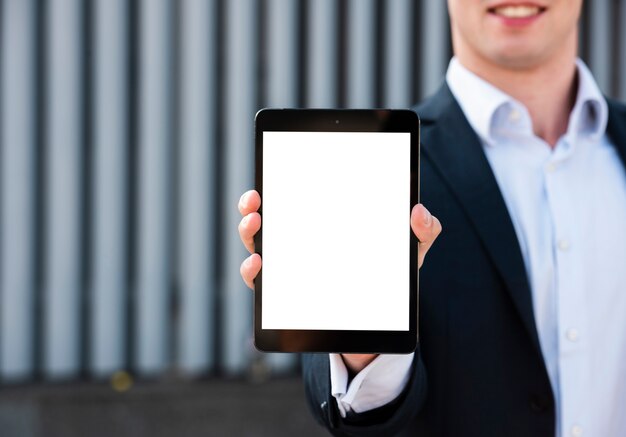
(521, 11)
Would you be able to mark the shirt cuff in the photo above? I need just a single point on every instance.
(379, 383)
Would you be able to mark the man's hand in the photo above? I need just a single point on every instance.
(425, 226)
(250, 224)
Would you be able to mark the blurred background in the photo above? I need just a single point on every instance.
(126, 139)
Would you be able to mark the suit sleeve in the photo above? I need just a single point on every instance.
(386, 420)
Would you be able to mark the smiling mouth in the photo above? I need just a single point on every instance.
(517, 11)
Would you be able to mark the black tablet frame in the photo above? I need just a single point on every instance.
(339, 120)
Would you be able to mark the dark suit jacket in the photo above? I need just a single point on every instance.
(478, 370)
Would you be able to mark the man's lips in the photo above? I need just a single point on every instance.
(517, 11)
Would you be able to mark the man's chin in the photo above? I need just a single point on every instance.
(514, 59)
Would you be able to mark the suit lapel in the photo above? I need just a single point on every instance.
(455, 151)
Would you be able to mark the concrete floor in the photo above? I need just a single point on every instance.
(165, 409)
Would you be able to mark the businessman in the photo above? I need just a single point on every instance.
(523, 295)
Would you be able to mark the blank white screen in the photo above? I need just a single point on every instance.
(336, 229)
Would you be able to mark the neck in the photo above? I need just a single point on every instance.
(548, 91)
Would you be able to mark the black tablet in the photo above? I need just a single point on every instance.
(339, 258)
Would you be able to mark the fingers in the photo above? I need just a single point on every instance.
(250, 224)
(249, 202)
(426, 228)
(250, 268)
(248, 227)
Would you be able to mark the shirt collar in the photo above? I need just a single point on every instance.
(484, 104)
(590, 113)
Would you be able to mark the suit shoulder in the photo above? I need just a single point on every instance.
(616, 107)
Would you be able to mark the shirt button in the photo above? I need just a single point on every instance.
(563, 245)
(572, 334)
(514, 115)
(577, 431)
(551, 167)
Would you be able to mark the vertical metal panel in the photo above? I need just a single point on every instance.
(107, 342)
(62, 312)
(62, 186)
(17, 161)
(434, 42)
(282, 21)
(621, 63)
(601, 34)
(197, 213)
(322, 54)
(361, 65)
(239, 102)
(153, 252)
(397, 60)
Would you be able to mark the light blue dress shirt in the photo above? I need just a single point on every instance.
(568, 207)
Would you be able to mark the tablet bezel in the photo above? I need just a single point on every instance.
(339, 120)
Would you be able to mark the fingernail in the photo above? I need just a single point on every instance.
(428, 218)
(245, 220)
(248, 261)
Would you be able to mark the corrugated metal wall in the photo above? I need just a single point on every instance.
(126, 140)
